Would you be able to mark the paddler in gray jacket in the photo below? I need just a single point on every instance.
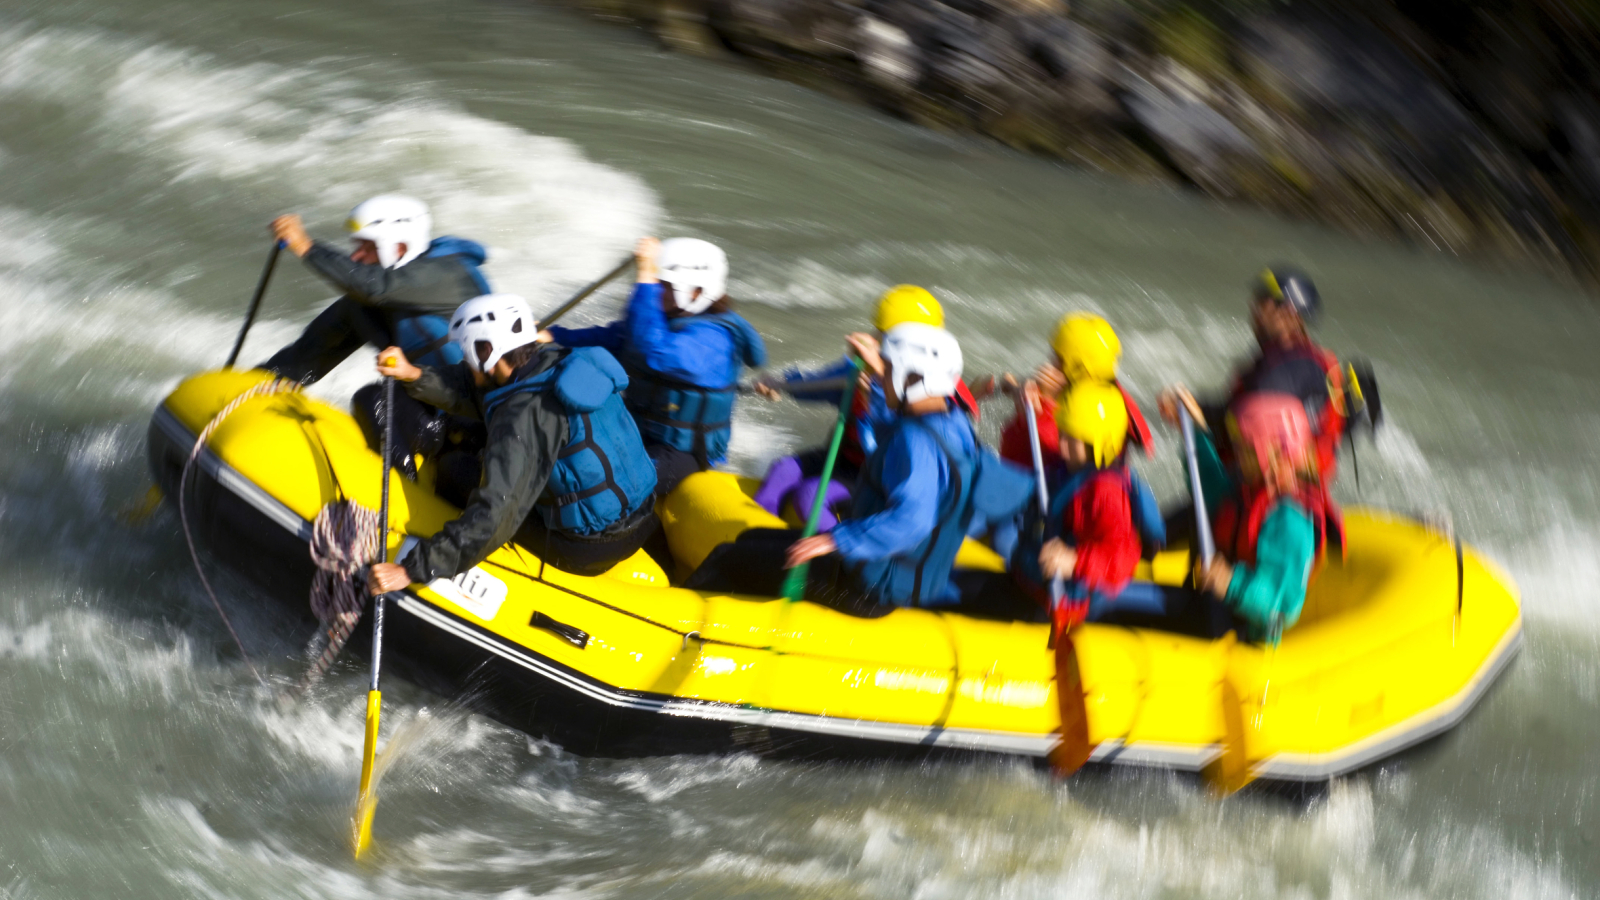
(565, 472)
(399, 287)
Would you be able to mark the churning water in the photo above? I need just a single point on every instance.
(143, 147)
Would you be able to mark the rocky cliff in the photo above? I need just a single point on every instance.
(1471, 129)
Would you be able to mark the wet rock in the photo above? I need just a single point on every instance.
(1473, 130)
(886, 55)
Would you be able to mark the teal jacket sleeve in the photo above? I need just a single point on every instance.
(1276, 584)
(1214, 477)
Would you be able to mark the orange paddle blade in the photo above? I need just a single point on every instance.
(1072, 751)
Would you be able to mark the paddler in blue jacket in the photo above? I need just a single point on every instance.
(683, 348)
(914, 498)
(795, 479)
(399, 287)
(564, 471)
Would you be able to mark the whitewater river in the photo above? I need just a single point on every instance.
(143, 147)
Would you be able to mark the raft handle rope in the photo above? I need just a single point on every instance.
(345, 539)
(263, 389)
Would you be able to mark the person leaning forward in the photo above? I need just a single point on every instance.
(399, 286)
(565, 472)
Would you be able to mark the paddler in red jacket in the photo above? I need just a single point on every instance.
(1101, 514)
(1283, 304)
(1085, 349)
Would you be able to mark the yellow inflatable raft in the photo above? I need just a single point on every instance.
(1392, 648)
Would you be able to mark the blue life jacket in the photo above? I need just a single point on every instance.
(1146, 518)
(425, 337)
(922, 573)
(690, 417)
(602, 475)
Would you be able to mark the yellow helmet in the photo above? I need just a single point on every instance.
(1089, 348)
(1096, 414)
(907, 303)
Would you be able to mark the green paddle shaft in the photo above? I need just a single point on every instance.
(794, 586)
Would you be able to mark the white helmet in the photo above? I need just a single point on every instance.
(503, 321)
(689, 263)
(913, 348)
(390, 220)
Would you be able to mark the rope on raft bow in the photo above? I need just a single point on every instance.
(345, 539)
(264, 389)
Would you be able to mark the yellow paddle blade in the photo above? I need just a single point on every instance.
(137, 512)
(367, 802)
(1231, 770)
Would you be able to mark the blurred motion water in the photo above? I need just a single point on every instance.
(144, 146)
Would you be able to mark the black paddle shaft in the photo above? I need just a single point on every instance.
(580, 296)
(383, 526)
(255, 303)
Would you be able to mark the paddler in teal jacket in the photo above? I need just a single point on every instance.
(1272, 522)
(683, 349)
(564, 472)
(399, 286)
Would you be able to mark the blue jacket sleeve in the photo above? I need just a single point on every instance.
(796, 380)
(914, 476)
(700, 356)
(1276, 584)
(1147, 512)
(606, 336)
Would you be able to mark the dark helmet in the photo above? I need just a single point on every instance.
(1290, 286)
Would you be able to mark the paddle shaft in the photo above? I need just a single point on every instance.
(1202, 523)
(366, 803)
(1057, 586)
(255, 303)
(794, 585)
(583, 294)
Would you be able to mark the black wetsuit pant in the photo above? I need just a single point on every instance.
(338, 331)
(672, 466)
(588, 554)
(454, 443)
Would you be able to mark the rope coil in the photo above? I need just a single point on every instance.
(345, 539)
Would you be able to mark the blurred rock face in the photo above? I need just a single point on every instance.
(1468, 129)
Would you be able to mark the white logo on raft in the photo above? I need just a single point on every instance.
(475, 591)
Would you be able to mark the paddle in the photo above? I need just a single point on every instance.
(794, 584)
(255, 303)
(1230, 770)
(367, 801)
(1073, 751)
(583, 294)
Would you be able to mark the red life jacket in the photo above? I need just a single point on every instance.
(1109, 563)
(1319, 385)
(1237, 533)
(1138, 428)
(1014, 445)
